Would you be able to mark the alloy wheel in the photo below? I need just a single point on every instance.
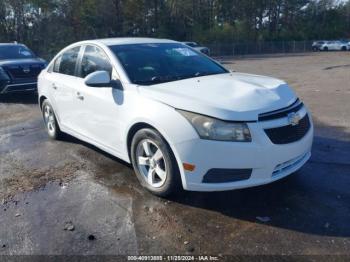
(151, 163)
(49, 118)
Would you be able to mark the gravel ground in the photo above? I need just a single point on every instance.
(68, 197)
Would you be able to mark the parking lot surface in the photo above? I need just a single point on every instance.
(67, 197)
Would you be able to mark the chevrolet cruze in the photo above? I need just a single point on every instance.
(180, 118)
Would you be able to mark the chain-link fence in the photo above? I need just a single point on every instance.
(237, 48)
(260, 47)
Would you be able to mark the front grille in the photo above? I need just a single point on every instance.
(20, 72)
(280, 113)
(24, 87)
(289, 134)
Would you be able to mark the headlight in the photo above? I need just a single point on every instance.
(215, 129)
(3, 74)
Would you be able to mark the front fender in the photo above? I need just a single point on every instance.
(166, 120)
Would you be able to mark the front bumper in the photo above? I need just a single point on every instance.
(10, 87)
(268, 162)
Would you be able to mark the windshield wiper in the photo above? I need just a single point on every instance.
(153, 80)
(157, 80)
(169, 78)
(198, 74)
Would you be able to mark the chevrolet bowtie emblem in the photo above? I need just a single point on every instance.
(294, 118)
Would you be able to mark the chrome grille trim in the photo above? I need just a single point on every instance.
(283, 112)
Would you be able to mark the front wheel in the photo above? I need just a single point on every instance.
(53, 130)
(154, 163)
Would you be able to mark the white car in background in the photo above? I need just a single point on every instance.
(180, 118)
(334, 46)
(203, 49)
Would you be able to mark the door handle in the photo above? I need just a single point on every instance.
(54, 86)
(80, 96)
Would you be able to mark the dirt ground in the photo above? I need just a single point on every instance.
(68, 197)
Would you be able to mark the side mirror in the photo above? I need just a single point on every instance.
(98, 79)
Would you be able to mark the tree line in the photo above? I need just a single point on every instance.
(48, 25)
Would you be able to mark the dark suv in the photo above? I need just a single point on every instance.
(19, 68)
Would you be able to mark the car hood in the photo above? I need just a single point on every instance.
(231, 96)
(22, 62)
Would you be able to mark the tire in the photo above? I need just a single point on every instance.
(156, 170)
(51, 124)
(325, 48)
(343, 48)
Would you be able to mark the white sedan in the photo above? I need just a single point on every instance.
(180, 118)
(334, 46)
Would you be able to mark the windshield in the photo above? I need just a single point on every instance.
(149, 64)
(15, 52)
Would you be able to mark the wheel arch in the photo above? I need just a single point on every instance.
(132, 131)
(141, 125)
(41, 100)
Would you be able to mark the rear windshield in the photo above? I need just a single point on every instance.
(15, 52)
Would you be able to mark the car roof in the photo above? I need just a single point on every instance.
(14, 44)
(128, 41)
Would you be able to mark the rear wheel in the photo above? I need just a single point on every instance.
(53, 130)
(343, 48)
(154, 163)
(325, 48)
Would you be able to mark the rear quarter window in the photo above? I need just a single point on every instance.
(66, 63)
